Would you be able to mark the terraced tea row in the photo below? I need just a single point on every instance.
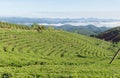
(52, 54)
(55, 43)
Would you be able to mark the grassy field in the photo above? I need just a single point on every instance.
(55, 54)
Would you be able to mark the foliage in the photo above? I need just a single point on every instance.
(55, 54)
(39, 28)
(13, 26)
(112, 34)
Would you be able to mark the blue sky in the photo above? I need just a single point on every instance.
(61, 8)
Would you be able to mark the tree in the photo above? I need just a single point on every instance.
(34, 26)
(40, 28)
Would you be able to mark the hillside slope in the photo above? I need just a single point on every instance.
(111, 34)
(53, 53)
(85, 30)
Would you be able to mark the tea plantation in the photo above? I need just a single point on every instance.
(27, 53)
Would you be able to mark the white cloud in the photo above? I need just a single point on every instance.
(98, 24)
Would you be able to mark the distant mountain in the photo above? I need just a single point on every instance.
(85, 30)
(111, 34)
(86, 26)
(29, 21)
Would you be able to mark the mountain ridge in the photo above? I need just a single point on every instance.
(112, 34)
(85, 30)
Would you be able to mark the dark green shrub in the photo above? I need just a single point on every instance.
(6, 75)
